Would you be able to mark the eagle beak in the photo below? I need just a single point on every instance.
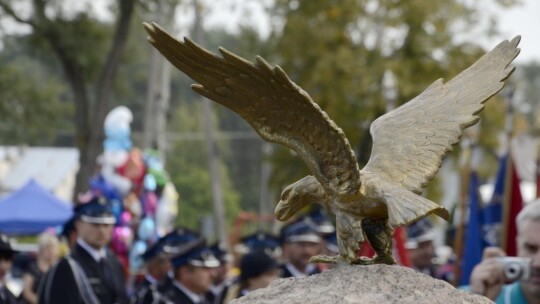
(283, 211)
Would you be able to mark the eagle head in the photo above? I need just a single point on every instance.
(297, 196)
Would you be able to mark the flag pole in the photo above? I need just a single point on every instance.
(468, 143)
(508, 129)
(537, 137)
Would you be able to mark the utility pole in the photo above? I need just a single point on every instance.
(217, 193)
(266, 171)
(158, 95)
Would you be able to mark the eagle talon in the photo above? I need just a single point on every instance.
(362, 260)
(324, 259)
(388, 260)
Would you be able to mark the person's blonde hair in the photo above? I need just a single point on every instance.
(47, 239)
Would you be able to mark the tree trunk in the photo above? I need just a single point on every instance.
(159, 82)
(93, 131)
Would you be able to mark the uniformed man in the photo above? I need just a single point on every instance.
(221, 275)
(257, 270)
(256, 242)
(318, 218)
(6, 259)
(91, 273)
(420, 247)
(158, 276)
(260, 241)
(157, 267)
(301, 241)
(193, 266)
(69, 233)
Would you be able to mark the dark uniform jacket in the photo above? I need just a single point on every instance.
(6, 297)
(148, 293)
(144, 294)
(286, 273)
(105, 278)
(177, 296)
(228, 292)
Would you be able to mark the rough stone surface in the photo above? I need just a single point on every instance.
(362, 284)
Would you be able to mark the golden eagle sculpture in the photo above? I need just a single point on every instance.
(409, 142)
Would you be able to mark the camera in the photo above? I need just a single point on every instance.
(516, 268)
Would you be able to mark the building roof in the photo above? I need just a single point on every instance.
(49, 166)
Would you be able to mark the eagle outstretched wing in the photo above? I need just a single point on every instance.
(278, 110)
(410, 142)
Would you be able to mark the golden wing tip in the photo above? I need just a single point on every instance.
(515, 41)
(224, 52)
(149, 28)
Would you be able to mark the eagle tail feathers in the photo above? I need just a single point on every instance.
(405, 207)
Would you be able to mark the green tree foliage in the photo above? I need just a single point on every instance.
(88, 52)
(530, 89)
(33, 104)
(189, 172)
(338, 51)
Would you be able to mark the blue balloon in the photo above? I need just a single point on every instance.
(117, 209)
(116, 131)
(99, 185)
(150, 183)
(113, 144)
(146, 229)
(135, 259)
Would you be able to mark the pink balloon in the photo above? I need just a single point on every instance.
(121, 240)
(125, 218)
(150, 203)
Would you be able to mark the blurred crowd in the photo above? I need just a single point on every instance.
(181, 267)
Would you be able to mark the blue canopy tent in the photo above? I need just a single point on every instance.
(32, 209)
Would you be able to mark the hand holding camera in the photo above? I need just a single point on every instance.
(496, 269)
(487, 278)
(515, 268)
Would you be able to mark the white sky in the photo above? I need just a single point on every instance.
(523, 19)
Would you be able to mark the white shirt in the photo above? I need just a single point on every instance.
(151, 279)
(97, 255)
(297, 273)
(195, 298)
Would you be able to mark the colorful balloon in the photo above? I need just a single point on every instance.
(117, 209)
(100, 187)
(133, 204)
(117, 128)
(135, 260)
(121, 240)
(125, 218)
(146, 229)
(150, 182)
(150, 203)
(134, 168)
